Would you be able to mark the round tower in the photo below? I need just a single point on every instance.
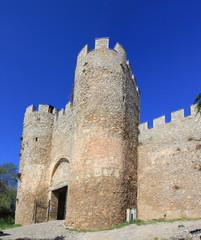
(103, 180)
(33, 175)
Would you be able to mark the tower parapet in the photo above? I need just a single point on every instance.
(102, 45)
(41, 108)
(120, 50)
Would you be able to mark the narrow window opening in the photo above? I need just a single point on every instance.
(50, 110)
(36, 139)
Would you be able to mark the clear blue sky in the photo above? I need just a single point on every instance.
(40, 40)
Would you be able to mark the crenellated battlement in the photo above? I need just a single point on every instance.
(41, 108)
(102, 44)
(64, 112)
(120, 50)
(44, 108)
(175, 116)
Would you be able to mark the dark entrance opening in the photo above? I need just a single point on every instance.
(61, 196)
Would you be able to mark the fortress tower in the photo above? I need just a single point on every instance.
(104, 156)
(35, 161)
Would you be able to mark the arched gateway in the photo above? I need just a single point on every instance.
(59, 189)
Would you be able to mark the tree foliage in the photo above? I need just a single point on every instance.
(7, 189)
(198, 103)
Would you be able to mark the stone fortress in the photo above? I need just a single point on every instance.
(92, 161)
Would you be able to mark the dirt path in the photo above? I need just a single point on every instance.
(55, 230)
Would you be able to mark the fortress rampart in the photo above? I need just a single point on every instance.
(169, 167)
(91, 161)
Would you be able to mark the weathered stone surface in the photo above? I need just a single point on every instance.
(169, 174)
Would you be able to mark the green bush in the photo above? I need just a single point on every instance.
(7, 190)
(8, 222)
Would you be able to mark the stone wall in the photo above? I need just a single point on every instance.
(169, 167)
(62, 141)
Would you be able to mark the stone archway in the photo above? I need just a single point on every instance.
(60, 173)
(59, 189)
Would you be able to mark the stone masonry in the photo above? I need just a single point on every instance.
(90, 162)
(169, 167)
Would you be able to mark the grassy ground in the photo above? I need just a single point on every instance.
(143, 222)
(138, 223)
(6, 223)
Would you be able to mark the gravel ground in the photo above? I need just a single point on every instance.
(55, 230)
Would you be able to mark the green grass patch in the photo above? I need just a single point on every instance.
(6, 223)
(143, 222)
(181, 226)
(137, 222)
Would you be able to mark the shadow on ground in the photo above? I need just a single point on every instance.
(56, 238)
(3, 234)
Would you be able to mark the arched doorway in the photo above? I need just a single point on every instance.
(59, 199)
(59, 189)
